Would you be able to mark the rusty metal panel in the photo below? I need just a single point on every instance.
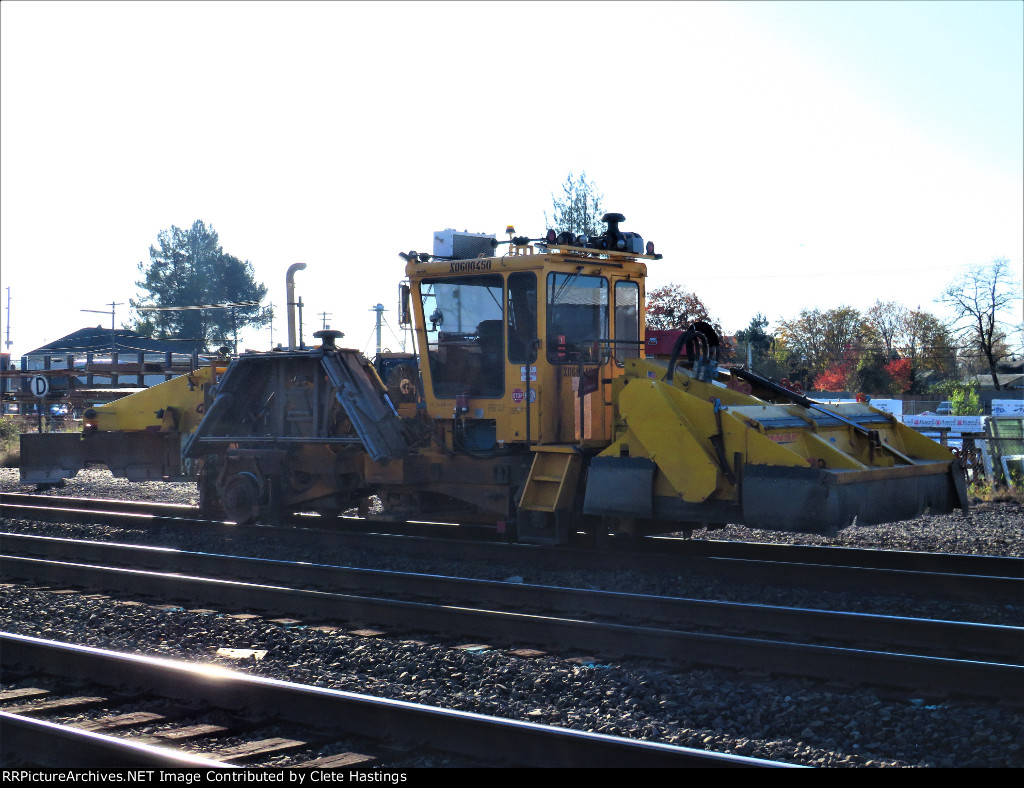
(48, 458)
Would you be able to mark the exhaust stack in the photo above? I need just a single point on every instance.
(290, 285)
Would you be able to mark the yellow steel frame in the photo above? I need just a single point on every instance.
(176, 405)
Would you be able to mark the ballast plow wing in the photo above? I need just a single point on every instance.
(694, 450)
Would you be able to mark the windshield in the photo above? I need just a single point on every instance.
(465, 321)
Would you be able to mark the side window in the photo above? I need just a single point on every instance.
(522, 316)
(577, 308)
(627, 321)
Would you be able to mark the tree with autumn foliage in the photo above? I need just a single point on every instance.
(865, 370)
(928, 343)
(821, 340)
(887, 320)
(899, 371)
(672, 306)
(834, 378)
(917, 339)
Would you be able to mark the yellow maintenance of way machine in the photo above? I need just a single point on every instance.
(536, 401)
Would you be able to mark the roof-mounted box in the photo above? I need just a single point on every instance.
(462, 245)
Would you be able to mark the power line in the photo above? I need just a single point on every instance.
(819, 272)
(113, 311)
(226, 305)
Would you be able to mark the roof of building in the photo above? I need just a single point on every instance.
(1011, 381)
(99, 340)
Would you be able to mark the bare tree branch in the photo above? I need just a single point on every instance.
(977, 298)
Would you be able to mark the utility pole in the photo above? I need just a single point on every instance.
(8, 342)
(113, 311)
(299, 305)
(380, 310)
(326, 315)
(271, 325)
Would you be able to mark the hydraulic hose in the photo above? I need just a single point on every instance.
(685, 337)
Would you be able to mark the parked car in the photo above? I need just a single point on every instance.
(944, 409)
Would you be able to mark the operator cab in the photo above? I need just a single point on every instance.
(521, 347)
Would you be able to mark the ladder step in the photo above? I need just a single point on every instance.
(551, 484)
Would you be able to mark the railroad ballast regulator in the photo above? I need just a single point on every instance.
(537, 401)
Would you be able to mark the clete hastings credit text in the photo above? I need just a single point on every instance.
(192, 776)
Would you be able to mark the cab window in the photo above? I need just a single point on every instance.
(522, 317)
(627, 321)
(577, 312)
(465, 322)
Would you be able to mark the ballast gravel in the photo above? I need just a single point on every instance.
(777, 718)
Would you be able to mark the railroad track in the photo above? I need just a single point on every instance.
(967, 577)
(969, 658)
(135, 711)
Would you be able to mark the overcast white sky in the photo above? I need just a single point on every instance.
(781, 156)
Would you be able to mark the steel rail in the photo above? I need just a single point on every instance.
(946, 563)
(97, 504)
(49, 745)
(338, 712)
(955, 638)
(49, 507)
(857, 557)
(676, 647)
(775, 571)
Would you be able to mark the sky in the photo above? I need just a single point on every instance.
(780, 155)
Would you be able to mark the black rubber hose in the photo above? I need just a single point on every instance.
(686, 336)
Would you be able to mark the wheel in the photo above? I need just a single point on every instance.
(542, 527)
(240, 497)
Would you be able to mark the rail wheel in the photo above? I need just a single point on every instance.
(240, 496)
(535, 527)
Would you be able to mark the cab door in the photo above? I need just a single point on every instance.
(577, 329)
(523, 350)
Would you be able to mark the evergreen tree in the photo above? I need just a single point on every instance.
(579, 210)
(758, 339)
(188, 269)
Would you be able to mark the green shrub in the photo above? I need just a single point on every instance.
(986, 492)
(10, 447)
(963, 397)
(8, 433)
